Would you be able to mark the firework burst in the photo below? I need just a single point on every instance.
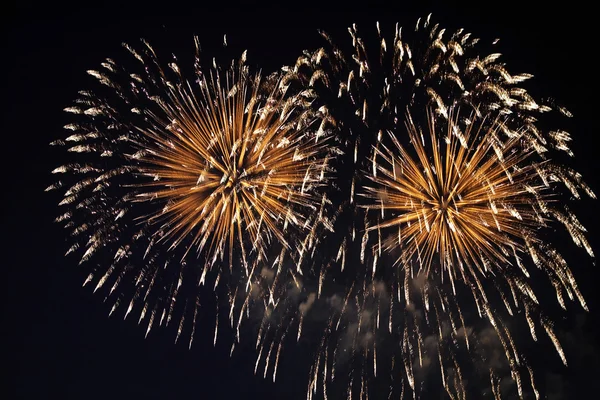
(176, 180)
(469, 203)
(455, 221)
(473, 209)
(458, 210)
(226, 165)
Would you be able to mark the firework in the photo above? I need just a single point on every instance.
(455, 216)
(456, 224)
(466, 207)
(469, 203)
(179, 180)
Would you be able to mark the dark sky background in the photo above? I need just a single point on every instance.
(57, 337)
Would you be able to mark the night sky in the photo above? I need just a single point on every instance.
(60, 343)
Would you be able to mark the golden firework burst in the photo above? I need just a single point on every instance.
(231, 164)
(460, 202)
(221, 164)
(467, 201)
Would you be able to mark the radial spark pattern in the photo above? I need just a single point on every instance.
(229, 166)
(470, 204)
(177, 180)
(455, 233)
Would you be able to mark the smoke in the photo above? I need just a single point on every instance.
(268, 274)
(306, 305)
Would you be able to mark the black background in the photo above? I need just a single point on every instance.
(59, 342)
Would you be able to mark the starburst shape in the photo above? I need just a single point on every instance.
(181, 178)
(231, 165)
(467, 201)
